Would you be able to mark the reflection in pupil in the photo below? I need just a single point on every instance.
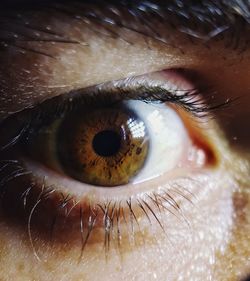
(107, 143)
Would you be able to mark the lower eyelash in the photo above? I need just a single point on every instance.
(111, 223)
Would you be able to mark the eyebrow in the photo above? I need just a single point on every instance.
(204, 20)
(204, 10)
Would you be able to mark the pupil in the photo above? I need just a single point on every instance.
(106, 143)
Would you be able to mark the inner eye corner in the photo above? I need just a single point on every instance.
(205, 143)
(212, 155)
(197, 132)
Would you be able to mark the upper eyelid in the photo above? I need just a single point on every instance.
(141, 87)
(190, 100)
(197, 102)
(128, 88)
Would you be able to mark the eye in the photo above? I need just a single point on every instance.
(109, 165)
(113, 144)
(104, 156)
(117, 133)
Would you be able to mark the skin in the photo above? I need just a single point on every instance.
(215, 243)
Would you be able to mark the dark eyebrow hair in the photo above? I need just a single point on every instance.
(201, 9)
(203, 19)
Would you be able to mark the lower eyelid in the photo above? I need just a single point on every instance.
(68, 233)
(59, 217)
(62, 218)
(48, 223)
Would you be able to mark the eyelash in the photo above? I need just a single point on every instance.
(113, 213)
(47, 111)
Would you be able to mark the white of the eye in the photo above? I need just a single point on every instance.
(168, 138)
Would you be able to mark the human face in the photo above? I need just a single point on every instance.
(66, 70)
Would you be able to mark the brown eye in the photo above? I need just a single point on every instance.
(105, 146)
(117, 133)
(112, 144)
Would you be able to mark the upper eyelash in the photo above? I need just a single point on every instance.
(106, 94)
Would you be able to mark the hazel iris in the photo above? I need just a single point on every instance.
(105, 146)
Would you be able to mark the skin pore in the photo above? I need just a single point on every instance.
(209, 239)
